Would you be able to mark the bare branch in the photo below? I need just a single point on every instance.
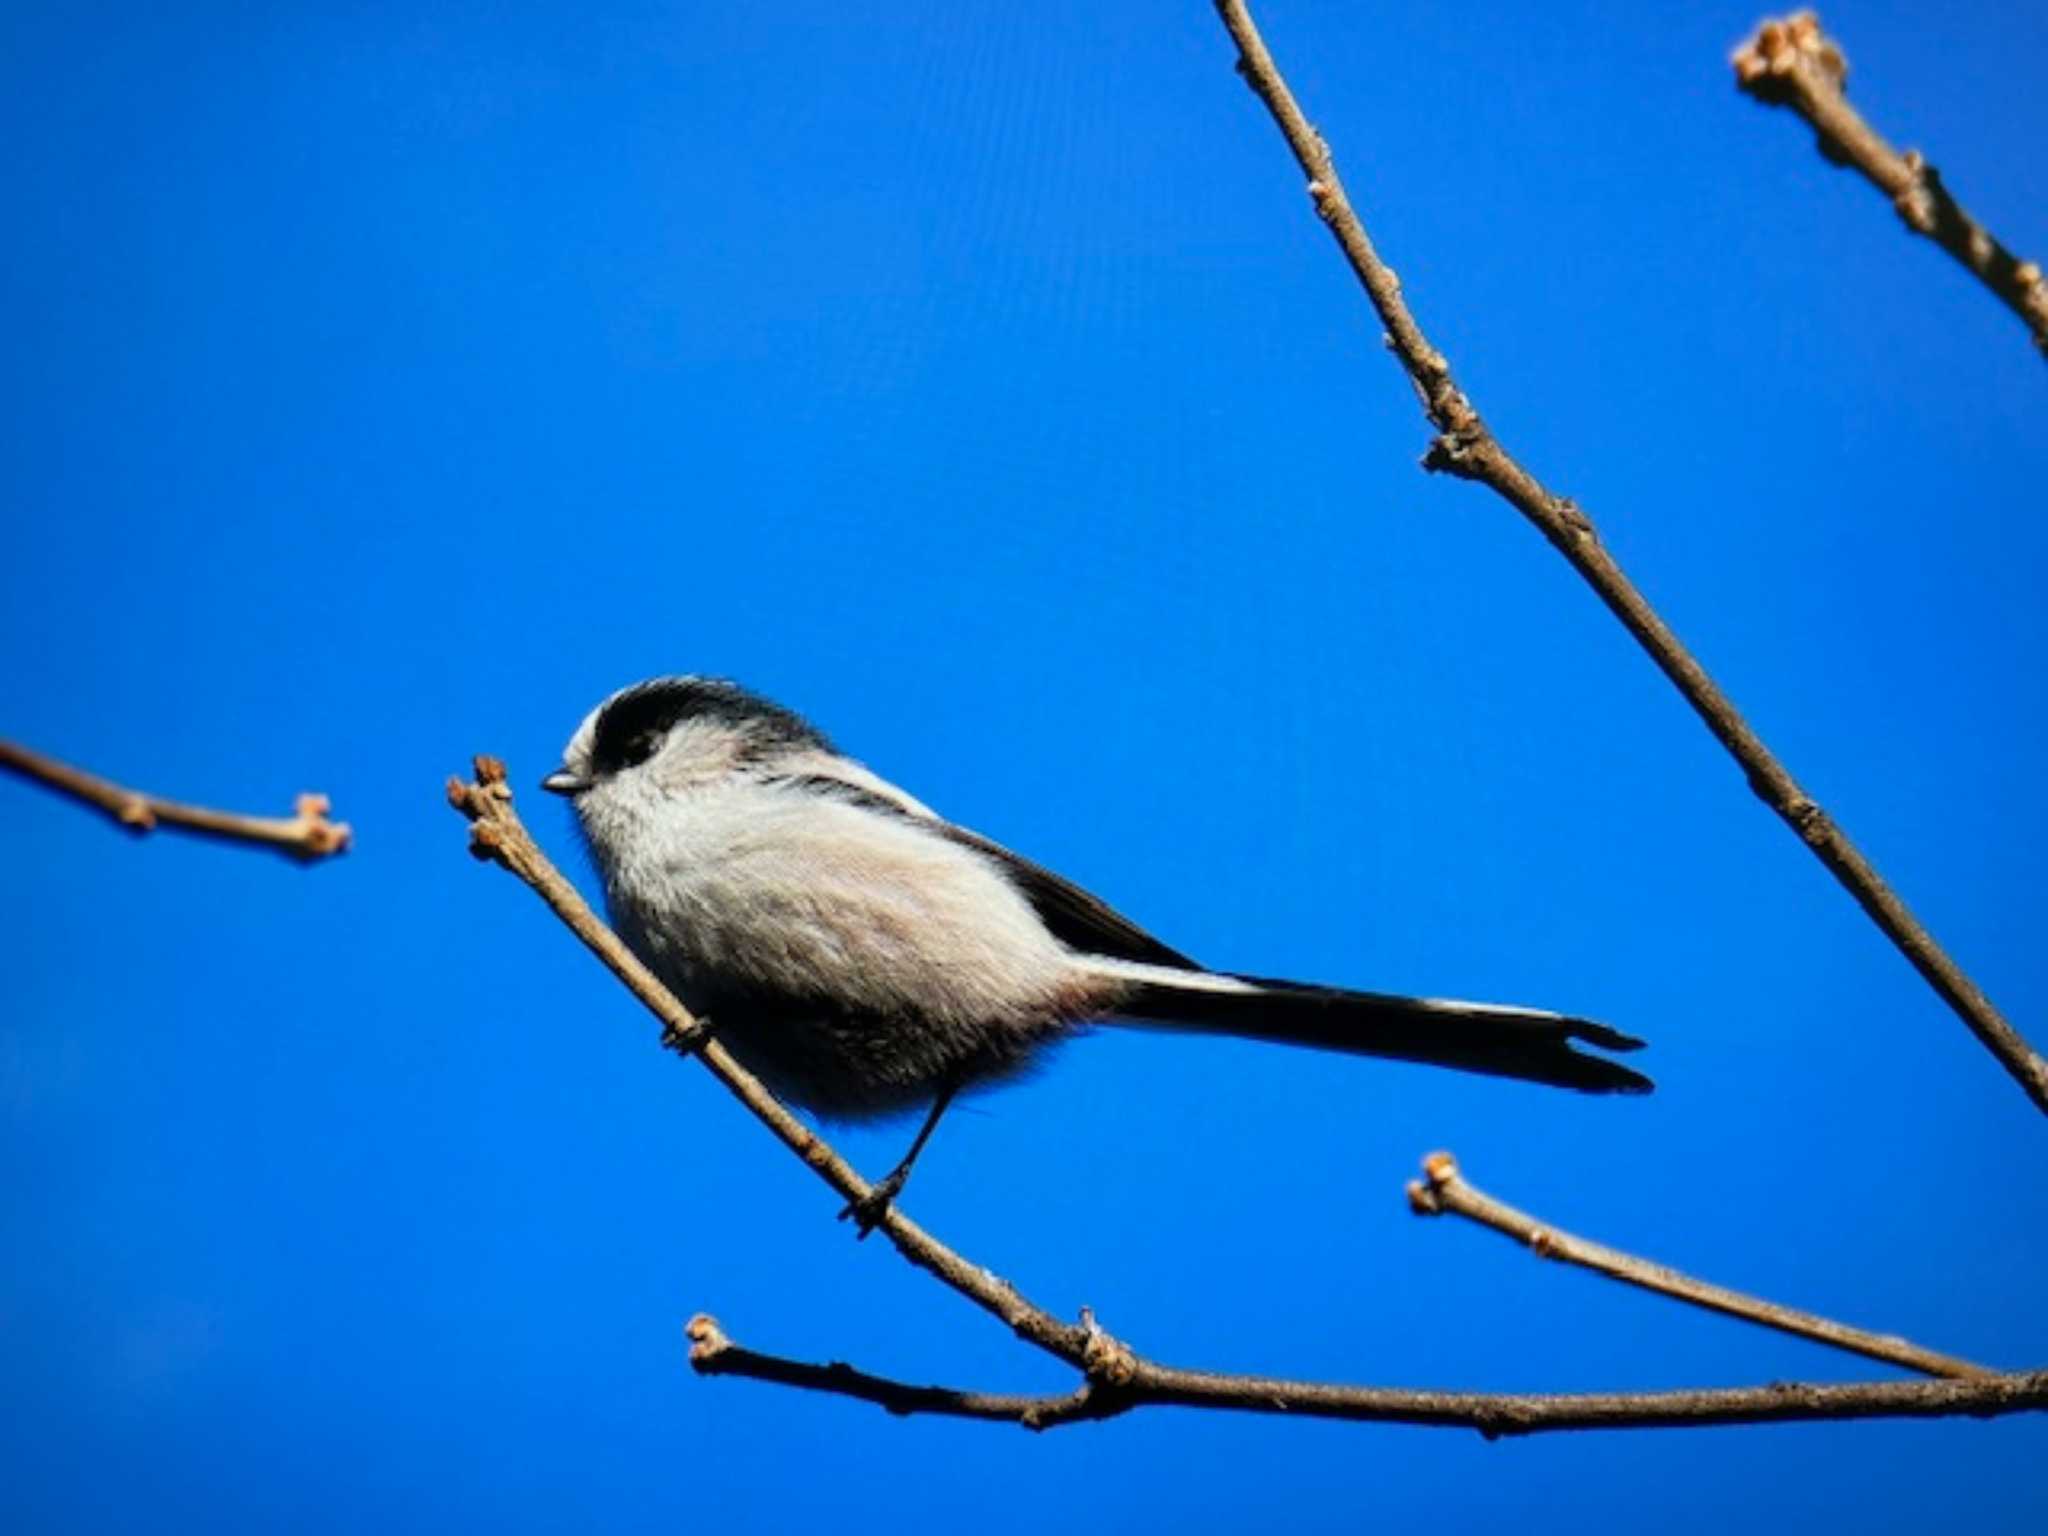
(307, 835)
(1491, 1413)
(713, 1354)
(1442, 1189)
(1790, 62)
(1114, 1378)
(1466, 447)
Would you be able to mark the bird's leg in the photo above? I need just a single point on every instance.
(868, 1210)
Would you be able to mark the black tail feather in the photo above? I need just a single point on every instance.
(1501, 1042)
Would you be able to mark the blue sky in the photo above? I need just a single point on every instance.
(389, 385)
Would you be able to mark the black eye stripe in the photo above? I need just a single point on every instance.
(631, 728)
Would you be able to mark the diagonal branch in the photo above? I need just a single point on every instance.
(1443, 1190)
(1114, 1378)
(1466, 447)
(497, 834)
(308, 835)
(1790, 62)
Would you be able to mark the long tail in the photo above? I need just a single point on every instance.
(1523, 1043)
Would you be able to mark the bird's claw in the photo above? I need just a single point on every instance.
(867, 1212)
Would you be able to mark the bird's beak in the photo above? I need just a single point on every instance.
(563, 782)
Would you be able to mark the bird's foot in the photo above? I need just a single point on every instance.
(867, 1212)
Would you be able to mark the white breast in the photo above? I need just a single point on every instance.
(775, 887)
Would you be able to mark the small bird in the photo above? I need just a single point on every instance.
(863, 956)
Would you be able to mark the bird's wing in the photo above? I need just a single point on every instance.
(1078, 920)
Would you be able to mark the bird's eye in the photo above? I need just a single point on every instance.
(640, 748)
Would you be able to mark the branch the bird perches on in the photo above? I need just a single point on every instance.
(1114, 1378)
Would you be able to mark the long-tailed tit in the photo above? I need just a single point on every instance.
(863, 956)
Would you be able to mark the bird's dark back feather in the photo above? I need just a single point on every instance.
(1084, 923)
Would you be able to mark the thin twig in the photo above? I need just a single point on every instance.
(1790, 62)
(1443, 1190)
(1466, 447)
(713, 1354)
(1491, 1413)
(1114, 1378)
(308, 835)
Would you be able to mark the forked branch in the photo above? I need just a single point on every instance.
(307, 835)
(1114, 1379)
(1442, 1190)
(1790, 62)
(1493, 1414)
(1466, 447)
